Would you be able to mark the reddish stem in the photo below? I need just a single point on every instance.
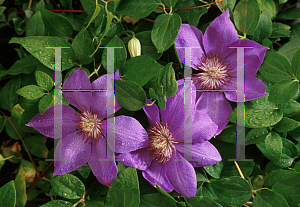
(39, 176)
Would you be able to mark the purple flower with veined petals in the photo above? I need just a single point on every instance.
(160, 150)
(211, 54)
(83, 134)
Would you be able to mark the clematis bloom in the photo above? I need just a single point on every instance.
(83, 134)
(160, 150)
(217, 63)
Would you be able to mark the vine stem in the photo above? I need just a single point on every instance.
(241, 173)
(33, 163)
(39, 177)
(29, 4)
(195, 7)
(239, 169)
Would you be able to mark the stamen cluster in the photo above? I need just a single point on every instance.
(161, 142)
(90, 126)
(215, 72)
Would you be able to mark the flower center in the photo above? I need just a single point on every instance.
(161, 142)
(90, 126)
(215, 72)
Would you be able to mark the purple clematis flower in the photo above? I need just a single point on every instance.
(83, 134)
(211, 54)
(159, 150)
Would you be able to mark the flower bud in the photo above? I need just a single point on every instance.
(134, 47)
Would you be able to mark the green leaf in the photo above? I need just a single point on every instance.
(31, 92)
(2, 8)
(214, 170)
(290, 108)
(268, 5)
(2, 123)
(44, 80)
(289, 189)
(20, 184)
(274, 146)
(137, 8)
(83, 47)
(148, 47)
(157, 94)
(84, 170)
(296, 64)
(156, 199)
(289, 151)
(269, 198)
(169, 3)
(289, 14)
(165, 30)
(229, 168)
(36, 146)
(256, 136)
(259, 113)
(246, 16)
(68, 186)
(47, 101)
(233, 191)
(8, 195)
(56, 25)
(290, 48)
(8, 95)
(56, 203)
(130, 95)
(283, 91)
(278, 175)
(280, 30)
(286, 125)
(120, 54)
(25, 65)
(35, 26)
(39, 5)
(66, 3)
(195, 15)
(275, 67)
(295, 31)
(141, 69)
(297, 166)
(160, 190)
(37, 46)
(167, 80)
(11, 131)
(124, 191)
(200, 201)
(264, 28)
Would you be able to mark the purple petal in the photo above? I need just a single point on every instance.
(78, 80)
(205, 152)
(219, 35)
(152, 113)
(253, 56)
(140, 159)
(201, 125)
(45, 123)
(216, 106)
(254, 88)
(174, 115)
(156, 174)
(129, 135)
(189, 36)
(103, 167)
(182, 176)
(73, 153)
(99, 101)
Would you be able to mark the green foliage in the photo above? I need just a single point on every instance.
(86, 39)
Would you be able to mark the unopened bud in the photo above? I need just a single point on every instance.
(134, 47)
